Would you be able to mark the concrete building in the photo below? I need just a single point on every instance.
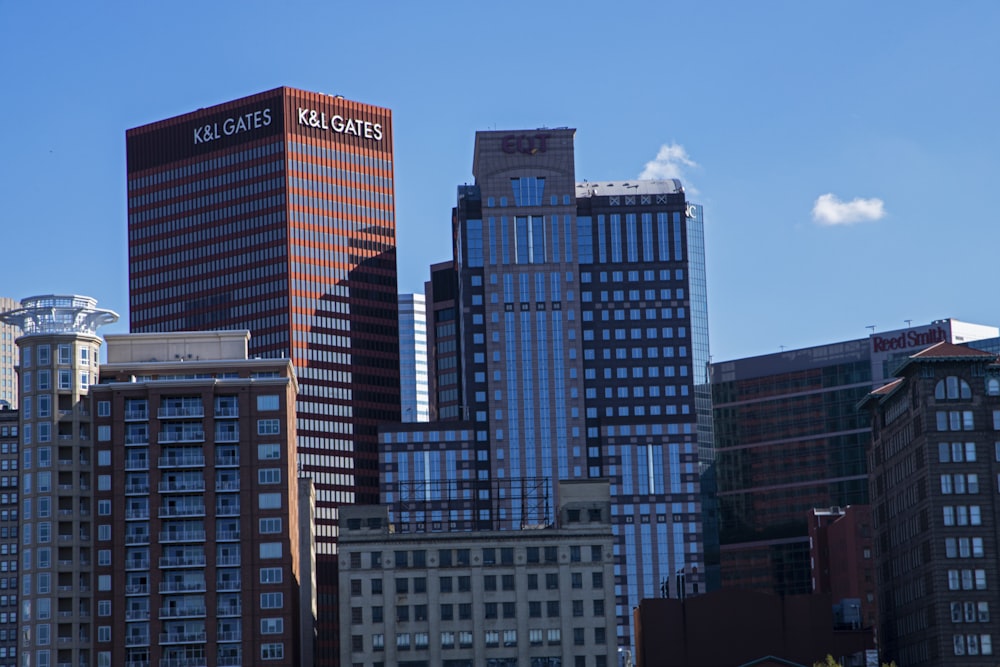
(569, 341)
(198, 551)
(60, 355)
(413, 381)
(934, 460)
(275, 213)
(789, 438)
(542, 597)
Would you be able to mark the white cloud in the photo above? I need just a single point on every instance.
(829, 210)
(669, 163)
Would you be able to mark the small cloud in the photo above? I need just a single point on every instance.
(669, 163)
(829, 210)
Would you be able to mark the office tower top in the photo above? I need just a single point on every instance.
(275, 213)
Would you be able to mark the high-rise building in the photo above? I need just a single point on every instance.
(10, 541)
(413, 358)
(567, 340)
(60, 353)
(789, 438)
(275, 213)
(934, 459)
(198, 559)
(8, 356)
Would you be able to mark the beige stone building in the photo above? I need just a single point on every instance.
(539, 597)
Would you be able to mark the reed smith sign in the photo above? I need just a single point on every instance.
(908, 339)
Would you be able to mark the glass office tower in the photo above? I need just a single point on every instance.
(581, 340)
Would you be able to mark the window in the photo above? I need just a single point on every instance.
(270, 550)
(270, 575)
(273, 601)
(268, 452)
(275, 651)
(270, 526)
(272, 626)
(268, 426)
(269, 476)
(269, 501)
(268, 402)
(104, 607)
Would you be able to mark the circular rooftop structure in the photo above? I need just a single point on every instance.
(59, 314)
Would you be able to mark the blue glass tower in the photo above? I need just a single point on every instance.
(583, 348)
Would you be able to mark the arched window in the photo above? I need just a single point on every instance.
(993, 386)
(953, 387)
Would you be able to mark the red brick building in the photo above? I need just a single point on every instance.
(737, 627)
(840, 550)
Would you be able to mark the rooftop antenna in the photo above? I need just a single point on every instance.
(907, 322)
(872, 327)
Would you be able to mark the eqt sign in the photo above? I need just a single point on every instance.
(528, 144)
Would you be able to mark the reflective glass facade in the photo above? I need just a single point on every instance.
(275, 213)
(579, 335)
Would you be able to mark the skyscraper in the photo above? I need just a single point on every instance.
(575, 348)
(60, 353)
(413, 358)
(275, 213)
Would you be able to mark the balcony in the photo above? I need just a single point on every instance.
(227, 413)
(136, 614)
(227, 436)
(190, 461)
(224, 561)
(137, 563)
(136, 489)
(227, 461)
(228, 585)
(187, 435)
(229, 661)
(137, 439)
(137, 663)
(187, 485)
(229, 611)
(142, 513)
(182, 587)
(182, 561)
(227, 535)
(183, 638)
(227, 485)
(136, 415)
(137, 539)
(181, 612)
(229, 636)
(181, 511)
(177, 412)
(137, 464)
(182, 536)
(227, 509)
(184, 662)
(137, 640)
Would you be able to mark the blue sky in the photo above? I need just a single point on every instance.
(846, 152)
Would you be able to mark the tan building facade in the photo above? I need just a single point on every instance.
(541, 597)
